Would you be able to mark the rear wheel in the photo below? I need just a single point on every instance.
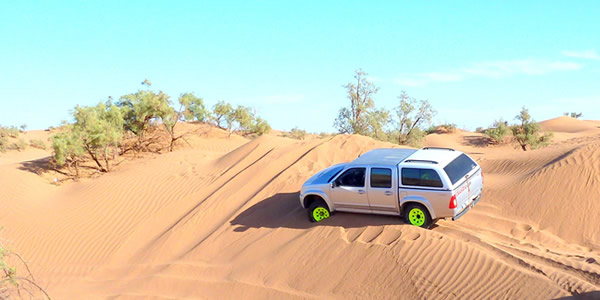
(318, 211)
(418, 215)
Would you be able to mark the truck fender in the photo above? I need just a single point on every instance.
(320, 194)
(421, 201)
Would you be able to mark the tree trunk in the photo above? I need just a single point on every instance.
(102, 169)
(411, 128)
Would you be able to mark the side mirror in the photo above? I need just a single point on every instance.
(334, 184)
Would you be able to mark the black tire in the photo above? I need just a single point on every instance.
(426, 223)
(318, 205)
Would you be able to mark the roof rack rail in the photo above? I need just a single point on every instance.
(421, 161)
(438, 148)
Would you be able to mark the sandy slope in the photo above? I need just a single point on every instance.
(221, 219)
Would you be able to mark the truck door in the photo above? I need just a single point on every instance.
(382, 190)
(349, 191)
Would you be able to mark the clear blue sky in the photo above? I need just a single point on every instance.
(474, 61)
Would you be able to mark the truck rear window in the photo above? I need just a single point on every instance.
(459, 167)
(421, 177)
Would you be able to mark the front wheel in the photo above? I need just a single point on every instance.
(318, 211)
(417, 215)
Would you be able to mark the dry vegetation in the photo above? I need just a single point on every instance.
(14, 284)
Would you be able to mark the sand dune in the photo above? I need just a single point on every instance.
(220, 219)
(568, 124)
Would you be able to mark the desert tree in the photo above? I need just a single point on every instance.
(193, 108)
(222, 112)
(360, 92)
(248, 123)
(100, 129)
(378, 121)
(139, 110)
(574, 115)
(190, 108)
(498, 131)
(241, 119)
(296, 133)
(68, 149)
(411, 115)
(260, 126)
(527, 133)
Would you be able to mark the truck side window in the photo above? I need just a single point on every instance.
(354, 177)
(381, 178)
(421, 177)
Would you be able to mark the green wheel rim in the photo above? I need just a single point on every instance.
(320, 213)
(416, 217)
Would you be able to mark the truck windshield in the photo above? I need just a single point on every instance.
(459, 167)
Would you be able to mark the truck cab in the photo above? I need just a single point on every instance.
(422, 185)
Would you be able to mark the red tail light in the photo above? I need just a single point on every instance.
(452, 202)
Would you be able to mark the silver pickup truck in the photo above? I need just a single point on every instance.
(422, 185)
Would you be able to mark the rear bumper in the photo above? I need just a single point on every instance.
(464, 211)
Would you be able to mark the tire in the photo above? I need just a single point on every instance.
(318, 211)
(417, 215)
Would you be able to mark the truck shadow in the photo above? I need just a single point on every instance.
(586, 296)
(284, 210)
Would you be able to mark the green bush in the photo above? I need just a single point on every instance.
(528, 132)
(297, 133)
(37, 144)
(323, 135)
(448, 127)
(432, 129)
(498, 131)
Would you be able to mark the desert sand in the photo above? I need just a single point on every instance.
(220, 219)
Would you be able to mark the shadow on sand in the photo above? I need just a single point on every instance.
(584, 296)
(36, 166)
(284, 210)
(477, 141)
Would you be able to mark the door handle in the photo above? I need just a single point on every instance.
(388, 193)
(361, 191)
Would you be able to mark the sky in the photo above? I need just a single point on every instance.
(474, 61)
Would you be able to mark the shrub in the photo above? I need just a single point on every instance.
(37, 144)
(479, 130)
(3, 143)
(19, 145)
(260, 127)
(573, 115)
(432, 129)
(11, 131)
(323, 135)
(448, 127)
(498, 131)
(14, 285)
(297, 133)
